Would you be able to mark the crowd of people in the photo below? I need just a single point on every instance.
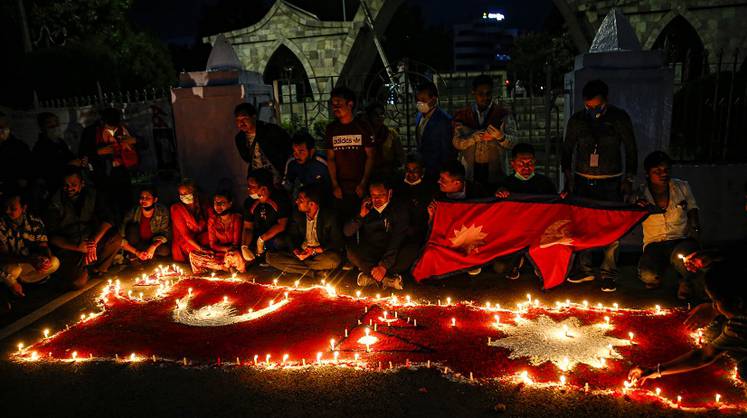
(354, 200)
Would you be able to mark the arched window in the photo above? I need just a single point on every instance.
(682, 48)
(285, 67)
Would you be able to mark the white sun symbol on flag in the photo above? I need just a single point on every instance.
(468, 238)
(565, 343)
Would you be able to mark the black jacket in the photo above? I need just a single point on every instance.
(274, 142)
(15, 162)
(607, 133)
(52, 158)
(416, 199)
(328, 230)
(385, 231)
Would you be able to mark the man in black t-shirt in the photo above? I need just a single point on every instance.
(351, 152)
(266, 213)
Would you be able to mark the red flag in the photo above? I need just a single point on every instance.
(467, 234)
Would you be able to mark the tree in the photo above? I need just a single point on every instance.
(81, 42)
(533, 51)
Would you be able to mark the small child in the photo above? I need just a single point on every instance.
(724, 285)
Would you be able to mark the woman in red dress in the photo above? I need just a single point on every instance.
(224, 236)
(189, 223)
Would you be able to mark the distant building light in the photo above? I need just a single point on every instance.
(502, 57)
(497, 16)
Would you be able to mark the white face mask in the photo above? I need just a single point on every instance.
(520, 177)
(254, 196)
(413, 183)
(423, 107)
(187, 199)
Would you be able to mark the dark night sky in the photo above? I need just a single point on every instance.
(177, 21)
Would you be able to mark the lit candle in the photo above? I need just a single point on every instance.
(346, 333)
(448, 301)
(529, 297)
(487, 305)
(189, 291)
(129, 293)
(415, 322)
(407, 298)
(497, 320)
(267, 359)
(358, 293)
(356, 356)
(319, 357)
(378, 296)
(274, 282)
(631, 335)
(718, 398)
(296, 283)
(20, 346)
(141, 295)
(225, 299)
(34, 356)
(74, 355)
(453, 322)
(679, 400)
(607, 321)
(332, 343)
(658, 391)
(133, 357)
(285, 358)
(586, 304)
(562, 380)
(600, 306)
(565, 331)
(336, 354)
(615, 305)
(658, 309)
(46, 333)
(256, 357)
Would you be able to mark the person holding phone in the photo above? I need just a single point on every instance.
(483, 132)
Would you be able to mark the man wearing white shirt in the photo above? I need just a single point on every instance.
(670, 236)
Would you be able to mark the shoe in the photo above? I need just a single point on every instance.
(395, 282)
(580, 278)
(365, 280)
(474, 272)
(514, 274)
(347, 266)
(608, 285)
(684, 291)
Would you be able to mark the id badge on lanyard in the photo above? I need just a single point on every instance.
(594, 158)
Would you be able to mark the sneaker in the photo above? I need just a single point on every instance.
(347, 266)
(395, 282)
(365, 280)
(684, 291)
(608, 285)
(580, 278)
(474, 272)
(514, 274)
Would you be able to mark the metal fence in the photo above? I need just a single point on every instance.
(709, 116)
(539, 118)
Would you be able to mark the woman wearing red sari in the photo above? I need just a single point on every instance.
(189, 223)
(224, 236)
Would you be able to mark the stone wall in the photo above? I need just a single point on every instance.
(719, 23)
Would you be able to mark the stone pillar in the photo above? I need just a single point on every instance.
(639, 82)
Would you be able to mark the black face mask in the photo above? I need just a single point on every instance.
(221, 213)
(148, 208)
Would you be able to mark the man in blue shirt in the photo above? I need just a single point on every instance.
(306, 167)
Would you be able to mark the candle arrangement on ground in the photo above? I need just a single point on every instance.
(562, 346)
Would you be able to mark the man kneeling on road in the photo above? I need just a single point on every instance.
(382, 252)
